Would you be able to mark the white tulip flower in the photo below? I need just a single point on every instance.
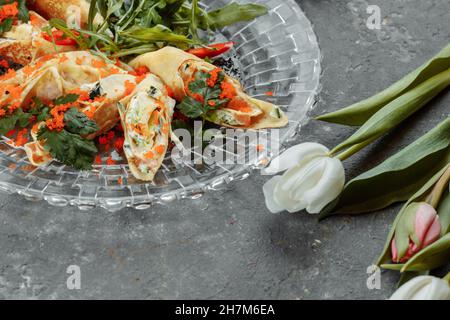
(423, 288)
(313, 179)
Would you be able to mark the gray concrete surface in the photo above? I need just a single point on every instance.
(228, 245)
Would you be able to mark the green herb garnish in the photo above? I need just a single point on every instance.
(134, 27)
(71, 149)
(206, 98)
(69, 98)
(78, 123)
(9, 122)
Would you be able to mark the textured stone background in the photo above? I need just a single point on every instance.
(226, 245)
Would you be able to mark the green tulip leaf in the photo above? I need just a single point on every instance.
(357, 114)
(397, 178)
(397, 111)
(392, 266)
(419, 196)
(405, 229)
(444, 213)
(435, 255)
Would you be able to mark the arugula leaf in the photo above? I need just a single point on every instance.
(62, 25)
(231, 14)
(132, 27)
(68, 148)
(69, 98)
(193, 108)
(9, 122)
(78, 123)
(157, 33)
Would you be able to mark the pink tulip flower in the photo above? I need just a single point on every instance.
(427, 230)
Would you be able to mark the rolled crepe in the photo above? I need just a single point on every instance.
(24, 42)
(146, 117)
(102, 84)
(177, 68)
(73, 11)
(104, 112)
(55, 75)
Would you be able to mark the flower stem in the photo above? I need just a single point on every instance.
(352, 150)
(435, 196)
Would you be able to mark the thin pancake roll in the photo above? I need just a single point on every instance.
(99, 86)
(53, 76)
(102, 108)
(25, 43)
(232, 107)
(75, 12)
(146, 117)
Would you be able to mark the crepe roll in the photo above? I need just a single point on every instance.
(25, 43)
(54, 75)
(72, 11)
(146, 117)
(231, 106)
(106, 94)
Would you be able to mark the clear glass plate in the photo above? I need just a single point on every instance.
(277, 53)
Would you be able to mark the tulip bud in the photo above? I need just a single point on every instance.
(423, 288)
(418, 228)
(313, 179)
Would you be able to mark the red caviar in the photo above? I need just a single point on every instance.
(118, 144)
(22, 138)
(103, 140)
(4, 63)
(9, 11)
(228, 90)
(149, 155)
(160, 149)
(142, 70)
(98, 64)
(213, 76)
(129, 87)
(98, 159)
(110, 161)
(34, 20)
(239, 105)
(57, 120)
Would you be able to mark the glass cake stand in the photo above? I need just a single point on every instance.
(276, 53)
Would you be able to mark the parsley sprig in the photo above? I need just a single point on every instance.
(17, 118)
(69, 148)
(202, 98)
(69, 145)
